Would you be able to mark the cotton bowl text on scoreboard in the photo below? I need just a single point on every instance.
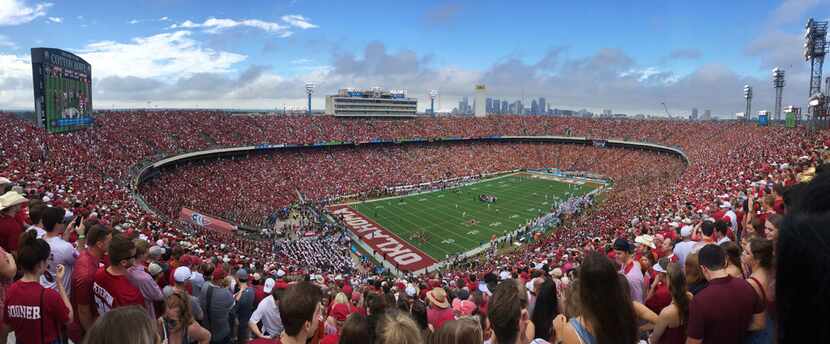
(63, 90)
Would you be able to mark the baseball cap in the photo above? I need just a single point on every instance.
(182, 274)
(340, 312)
(504, 275)
(622, 245)
(156, 251)
(242, 274)
(219, 273)
(686, 231)
(154, 269)
(268, 286)
(280, 273)
(662, 265)
(463, 307)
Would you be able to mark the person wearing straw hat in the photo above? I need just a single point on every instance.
(439, 310)
(10, 226)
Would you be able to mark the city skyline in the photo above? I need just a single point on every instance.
(216, 54)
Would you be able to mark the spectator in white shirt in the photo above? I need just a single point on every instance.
(683, 248)
(63, 252)
(267, 312)
(36, 216)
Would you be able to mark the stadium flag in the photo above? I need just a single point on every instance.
(205, 221)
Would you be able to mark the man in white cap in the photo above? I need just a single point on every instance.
(182, 276)
(728, 212)
(268, 313)
(683, 248)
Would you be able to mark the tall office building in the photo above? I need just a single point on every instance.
(480, 110)
(694, 114)
(542, 106)
(707, 115)
(505, 107)
(534, 107)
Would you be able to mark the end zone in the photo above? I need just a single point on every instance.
(393, 249)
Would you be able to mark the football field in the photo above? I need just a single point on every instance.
(454, 221)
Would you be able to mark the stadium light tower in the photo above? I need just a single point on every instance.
(815, 47)
(309, 89)
(778, 83)
(748, 97)
(432, 95)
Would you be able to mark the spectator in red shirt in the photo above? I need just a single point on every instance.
(439, 310)
(339, 313)
(112, 289)
(83, 276)
(658, 295)
(10, 227)
(725, 310)
(34, 313)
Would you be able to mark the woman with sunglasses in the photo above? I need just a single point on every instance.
(34, 313)
(177, 326)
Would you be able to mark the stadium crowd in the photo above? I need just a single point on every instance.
(731, 248)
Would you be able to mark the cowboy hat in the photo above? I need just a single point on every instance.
(10, 199)
(645, 239)
(438, 297)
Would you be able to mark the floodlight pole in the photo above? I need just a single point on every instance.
(432, 95)
(815, 47)
(309, 89)
(748, 97)
(778, 83)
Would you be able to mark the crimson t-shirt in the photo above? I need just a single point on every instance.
(722, 312)
(10, 230)
(83, 276)
(29, 317)
(112, 291)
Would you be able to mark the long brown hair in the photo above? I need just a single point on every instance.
(124, 325)
(180, 299)
(460, 331)
(604, 303)
(677, 287)
(693, 272)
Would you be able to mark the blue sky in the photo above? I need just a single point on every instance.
(628, 56)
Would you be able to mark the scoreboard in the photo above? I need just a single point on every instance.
(63, 90)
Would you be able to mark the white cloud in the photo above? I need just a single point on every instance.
(15, 66)
(56, 20)
(216, 25)
(5, 42)
(301, 61)
(298, 21)
(16, 12)
(15, 81)
(166, 55)
(134, 21)
(164, 19)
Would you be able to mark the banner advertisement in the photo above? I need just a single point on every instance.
(205, 221)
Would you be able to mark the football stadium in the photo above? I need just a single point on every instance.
(240, 177)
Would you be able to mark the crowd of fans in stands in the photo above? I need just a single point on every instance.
(730, 248)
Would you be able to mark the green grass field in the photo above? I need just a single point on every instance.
(441, 214)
